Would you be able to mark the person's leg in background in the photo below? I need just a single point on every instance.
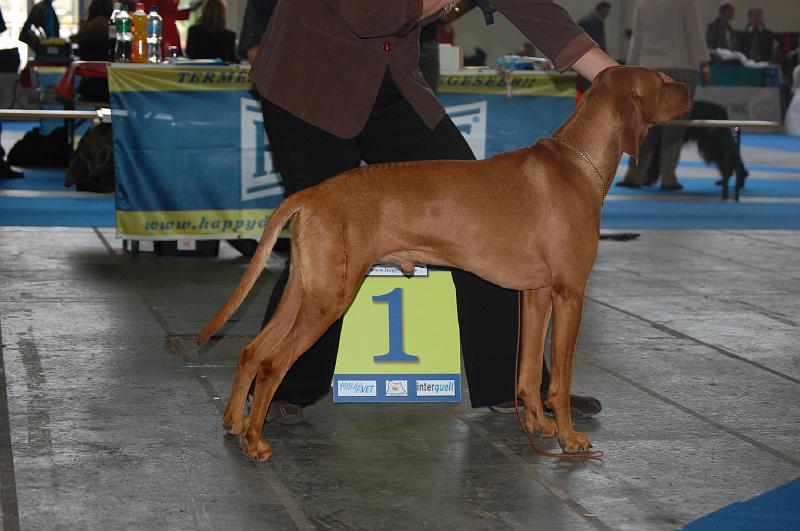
(638, 173)
(6, 171)
(305, 156)
(672, 136)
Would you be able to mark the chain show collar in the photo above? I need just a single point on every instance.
(584, 157)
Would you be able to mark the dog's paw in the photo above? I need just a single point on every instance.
(574, 443)
(255, 447)
(544, 427)
(234, 424)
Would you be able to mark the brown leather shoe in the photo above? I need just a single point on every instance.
(581, 406)
(507, 407)
(281, 412)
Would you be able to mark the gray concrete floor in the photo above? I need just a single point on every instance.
(110, 417)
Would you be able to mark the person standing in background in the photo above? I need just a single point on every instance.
(92, 35)
(170, 13)
(719, 33)
(429, 54)
(594, 24)
(667, 36)
(757, 42)
(92, 41)
(6, 171)
(209, 39)
(254, 24)
(43, 16)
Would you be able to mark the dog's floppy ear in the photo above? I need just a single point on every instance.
(634, 126)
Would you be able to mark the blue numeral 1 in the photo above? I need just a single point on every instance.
(396, 353)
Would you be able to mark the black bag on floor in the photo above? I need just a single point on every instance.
(36, 150)
(92, 166)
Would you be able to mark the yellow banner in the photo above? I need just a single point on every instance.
(152, 78)
(522, 83)
(172, 224)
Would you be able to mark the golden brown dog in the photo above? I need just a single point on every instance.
(527, 220)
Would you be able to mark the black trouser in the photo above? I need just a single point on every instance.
(306, 155)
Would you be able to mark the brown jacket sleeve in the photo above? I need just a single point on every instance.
(550, 28)
(381, 18)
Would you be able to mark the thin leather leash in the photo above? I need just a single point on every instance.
(584, 157)
(596, 454)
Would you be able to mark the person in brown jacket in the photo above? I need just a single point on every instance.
(340, 83)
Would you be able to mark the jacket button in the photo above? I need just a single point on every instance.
(387, 46)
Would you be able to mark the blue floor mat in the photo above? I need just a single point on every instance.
(699, 215)
(21, 127)
(38, 179)
(705, 186)
(772, 141)
(57, 211)
(773, 511)
(749, 167)
(631, 213)
(99, 212)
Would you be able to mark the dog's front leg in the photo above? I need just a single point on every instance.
(535, 317)
(567, 310)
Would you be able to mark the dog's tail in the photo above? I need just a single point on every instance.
(276, 222)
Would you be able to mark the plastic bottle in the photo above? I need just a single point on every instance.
(139, 30)
(124, 46)
(510, 62)
(112, 31)
(154, 25)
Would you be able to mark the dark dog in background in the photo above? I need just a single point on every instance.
(716, 145)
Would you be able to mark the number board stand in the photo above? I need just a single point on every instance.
(400, 340)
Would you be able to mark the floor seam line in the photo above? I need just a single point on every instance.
(750, 237)
(655, 394)
(8, 476)
(282, 493)
(681, 335)
(724, 259)
(292, 508)
(554, 490)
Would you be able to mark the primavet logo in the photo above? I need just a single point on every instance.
(258, 173)
(356, 388)
(396, 387)
(436, 388)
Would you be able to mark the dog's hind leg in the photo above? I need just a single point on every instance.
(254, 353)
(536, 316)
(312, 321)
(567, 309)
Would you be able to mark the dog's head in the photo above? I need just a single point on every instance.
(642, 97)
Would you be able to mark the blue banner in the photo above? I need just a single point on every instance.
(192, 160)
(191, 156)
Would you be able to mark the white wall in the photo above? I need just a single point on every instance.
(502, 37)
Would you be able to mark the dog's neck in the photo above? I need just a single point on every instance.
(597, 134)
